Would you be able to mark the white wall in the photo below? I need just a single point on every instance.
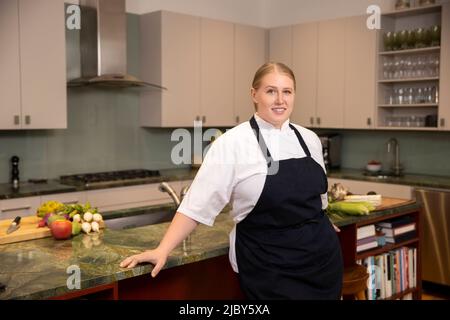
(286, 12)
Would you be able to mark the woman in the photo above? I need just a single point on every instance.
(283, 245)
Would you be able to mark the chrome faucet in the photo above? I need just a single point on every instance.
(165, 187)
(393, 145)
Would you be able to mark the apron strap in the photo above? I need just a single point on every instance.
(261, 142)
(300, 139)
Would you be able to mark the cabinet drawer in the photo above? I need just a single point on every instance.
(385, 189)
(66, 198)
(19, 207)
(127, 197)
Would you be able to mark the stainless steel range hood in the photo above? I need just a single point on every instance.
(103, 43)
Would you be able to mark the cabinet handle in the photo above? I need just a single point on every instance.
(14, 209)
(369, 121)
(318, 120)
(27, 119)
(311, 121)
(237, 119)
(16, 120)
(442, 122)
(204, 119)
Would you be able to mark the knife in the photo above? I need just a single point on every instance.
(14, 225)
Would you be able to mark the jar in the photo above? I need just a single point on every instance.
(402, 4)
(426, 2)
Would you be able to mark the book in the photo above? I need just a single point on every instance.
(401, 238)
(366, 240)
(391, 232)
(365, 231)
(397, 222)
(367, 246)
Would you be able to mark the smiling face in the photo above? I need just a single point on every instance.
(274, 98)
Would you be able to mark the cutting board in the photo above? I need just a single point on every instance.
(388, 203)
(28, 230)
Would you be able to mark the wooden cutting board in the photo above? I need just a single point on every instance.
(28, 230)
(388, 203)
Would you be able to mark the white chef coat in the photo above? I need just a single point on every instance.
(234, 171)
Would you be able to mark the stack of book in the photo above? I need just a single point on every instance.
(366, 238)
(398, 230)
(391, 272)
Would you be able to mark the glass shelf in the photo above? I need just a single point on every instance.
(409, 80)
(410, 51)
(417, 105)
(414, 11)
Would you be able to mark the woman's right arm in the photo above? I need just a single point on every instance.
(180, 227)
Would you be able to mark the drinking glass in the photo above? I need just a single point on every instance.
(420, 38)
(403, 39)
(435, 35)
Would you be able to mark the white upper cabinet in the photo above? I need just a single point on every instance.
(360, 55)
(9, 65)
(170, 56)
(250, 52)
(216, 72)
(280, 45)
(331, 68)
(33, 60)
(304, 66)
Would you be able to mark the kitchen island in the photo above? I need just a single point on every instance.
(38, 269)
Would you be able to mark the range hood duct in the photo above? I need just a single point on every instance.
(103, 43)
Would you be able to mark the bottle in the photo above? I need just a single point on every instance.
(15, 172)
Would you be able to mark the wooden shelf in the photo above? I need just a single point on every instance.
(414, 11)
(413, 105)
(409, 80)
(385, 248)
(408, 128)
(401, 294)
(410, 51)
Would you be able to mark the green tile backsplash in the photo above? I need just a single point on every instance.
(104, 134)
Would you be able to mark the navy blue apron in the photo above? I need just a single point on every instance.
(286, 248)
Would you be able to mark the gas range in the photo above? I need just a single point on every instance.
(109, 178)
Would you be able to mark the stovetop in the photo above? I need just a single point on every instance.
(108, 177)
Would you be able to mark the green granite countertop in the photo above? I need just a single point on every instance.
(415, 180)
(54, 186)
(342, 220)
(33, 189)
(37, 269)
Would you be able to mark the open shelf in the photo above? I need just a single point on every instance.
(401, 294)
(409, 80)
(409, 128)
(410, 51)
(388, 247)
(412, 105)
(414, 11)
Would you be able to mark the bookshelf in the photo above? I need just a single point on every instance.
(348, 238)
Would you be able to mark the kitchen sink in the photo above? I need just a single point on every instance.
(139, 220)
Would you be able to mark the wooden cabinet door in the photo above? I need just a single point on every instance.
(9, 65)
(280, 45)
(331, 68)
(444, 92)
(180, 42)
(304, 48)
(360, 55)
(250, 53)
(43, 64)
(217, 73)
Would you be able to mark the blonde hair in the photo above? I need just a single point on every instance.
(270, 67)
